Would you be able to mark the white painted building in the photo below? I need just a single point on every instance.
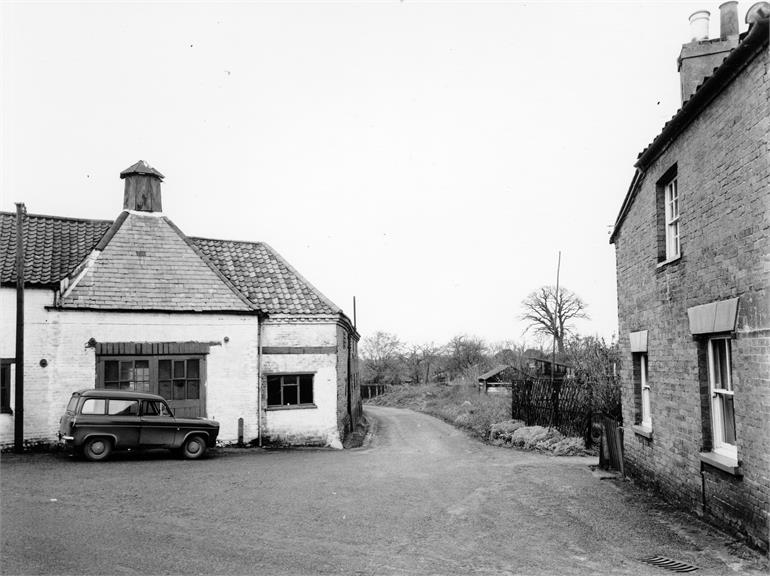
(222, 329)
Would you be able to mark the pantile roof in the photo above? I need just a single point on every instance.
(265, 278)
(54, 246)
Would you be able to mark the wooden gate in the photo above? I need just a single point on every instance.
(611, 453)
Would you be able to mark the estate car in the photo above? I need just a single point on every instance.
(97, 422)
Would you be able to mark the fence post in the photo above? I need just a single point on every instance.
(528, 401)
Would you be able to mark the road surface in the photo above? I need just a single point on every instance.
(420, 498)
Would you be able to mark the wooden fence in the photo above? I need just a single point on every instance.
(564, 404)
(372, 390)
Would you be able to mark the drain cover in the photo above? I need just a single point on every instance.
(669, 564)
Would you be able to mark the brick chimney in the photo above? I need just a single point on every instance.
(142, 191)
(700, 56)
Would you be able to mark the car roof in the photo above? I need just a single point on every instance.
(122, 394)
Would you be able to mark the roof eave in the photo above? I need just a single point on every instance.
(739, 58)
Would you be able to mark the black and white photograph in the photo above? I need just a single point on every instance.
(385, 287)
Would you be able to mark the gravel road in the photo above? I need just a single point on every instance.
(419, 498)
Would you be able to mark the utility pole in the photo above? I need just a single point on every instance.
(554, 394)
(18, 415)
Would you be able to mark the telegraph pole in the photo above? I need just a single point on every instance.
(18, 415)
(554, 394)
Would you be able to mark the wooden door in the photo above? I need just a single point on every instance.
(180, 383)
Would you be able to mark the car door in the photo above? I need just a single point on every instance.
(158, 426)
(123, 419)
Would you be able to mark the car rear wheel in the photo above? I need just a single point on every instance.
(98, 448)
(194, 447)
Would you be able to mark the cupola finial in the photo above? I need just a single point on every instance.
(142, 191)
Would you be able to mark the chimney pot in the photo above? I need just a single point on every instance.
(728, 19)
(757, 12)
(699, 25)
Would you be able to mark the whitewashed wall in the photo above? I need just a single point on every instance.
(303, 425)
(61, 338)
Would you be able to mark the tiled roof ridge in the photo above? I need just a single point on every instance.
(336, 309)
(212, 266)
(251, 242)
(316, 291)
(51, 217)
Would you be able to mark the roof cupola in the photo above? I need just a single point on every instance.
(142, 191)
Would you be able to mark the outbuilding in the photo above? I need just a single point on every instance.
(222, 329)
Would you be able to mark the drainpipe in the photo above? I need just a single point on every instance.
(18, 417)
(259, 379)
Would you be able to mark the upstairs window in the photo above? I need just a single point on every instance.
(672, 220)
(667, 206)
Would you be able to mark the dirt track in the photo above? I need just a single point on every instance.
(421, 498)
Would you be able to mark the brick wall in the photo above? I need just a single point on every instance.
(723, 176)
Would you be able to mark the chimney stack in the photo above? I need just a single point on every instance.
(701, 55)
(728, 20)
(699, 25)
(142, 190)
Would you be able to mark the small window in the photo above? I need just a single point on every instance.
(123, 408)
(290, 390)
(5, 386)
(722, 397)
(645, 386)
(93, 406)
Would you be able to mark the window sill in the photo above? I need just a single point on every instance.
(669, 261)
(292, 407)
(723, 463)
(644, 431)
(6, 411)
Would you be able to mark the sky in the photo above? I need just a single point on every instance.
(430, 159)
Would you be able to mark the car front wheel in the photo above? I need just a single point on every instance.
(96, 449)
(194, 447)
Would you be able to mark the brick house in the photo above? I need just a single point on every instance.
(222, 329)
(693, 280)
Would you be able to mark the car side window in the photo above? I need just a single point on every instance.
(93, 406)
(150, 408)
(123, 408)
(155, 408)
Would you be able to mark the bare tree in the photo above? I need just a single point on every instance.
(549, 314)
(465, 353)
(381, 355)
